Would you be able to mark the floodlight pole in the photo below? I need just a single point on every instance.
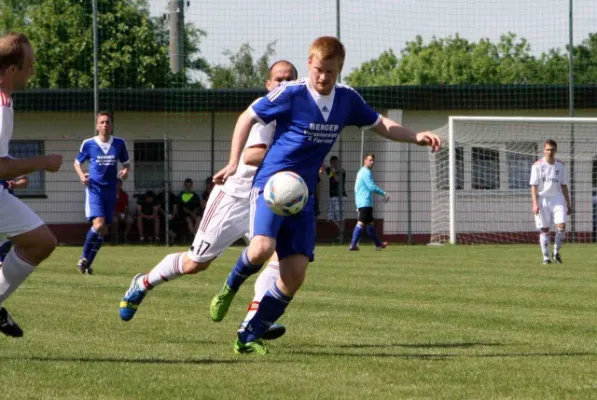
(95, 64)
(176, 34)
(571, 113)
(340, 153)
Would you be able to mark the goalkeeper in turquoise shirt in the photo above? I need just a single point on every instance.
(364, 188)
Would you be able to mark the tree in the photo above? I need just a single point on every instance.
(455, 60)
(451, 60)
(133, 47)
(243, 71)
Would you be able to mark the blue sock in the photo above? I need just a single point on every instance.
(356, 235)
(271, 308)
(98, 243)
(241, 271)
(373, 234)
(90, 239)
(4, 249)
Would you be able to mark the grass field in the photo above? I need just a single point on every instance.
(408, 322)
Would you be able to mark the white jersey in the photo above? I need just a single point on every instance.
(549, 178)
(6, 123)
(239, 184)
(15, 217)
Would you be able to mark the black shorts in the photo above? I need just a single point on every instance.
(366, 215)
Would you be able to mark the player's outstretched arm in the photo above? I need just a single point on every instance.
(239, 138)
(398, 133)
(10, 168)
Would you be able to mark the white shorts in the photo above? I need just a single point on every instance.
(335, 209)
(551, 210)
(16, 217)
(225, 220)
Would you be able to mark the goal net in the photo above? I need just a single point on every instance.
(480, 180)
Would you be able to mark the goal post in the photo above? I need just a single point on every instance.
(480, 180)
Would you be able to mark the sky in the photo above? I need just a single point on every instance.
(369, 27)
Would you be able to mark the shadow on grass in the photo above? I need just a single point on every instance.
(440, 357)
(157, 361)
(465, 345)
(436, 357)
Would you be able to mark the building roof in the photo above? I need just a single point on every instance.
(437, 97)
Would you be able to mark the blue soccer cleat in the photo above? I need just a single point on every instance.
(131, 300)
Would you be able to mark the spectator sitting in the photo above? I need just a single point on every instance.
(209, 185)
(121, 213)
(190, 204)
(173, 212)
(147, 211)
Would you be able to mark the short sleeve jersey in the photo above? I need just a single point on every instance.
(548, 178)
(239, 184)
(6, 123)
(103, 159)
(307, 126)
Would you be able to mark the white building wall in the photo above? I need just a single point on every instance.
(191, 151)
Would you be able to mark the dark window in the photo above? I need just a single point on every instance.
(485, 168)
(149, 165)
(25, 149)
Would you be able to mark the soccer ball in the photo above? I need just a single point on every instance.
(286, 193)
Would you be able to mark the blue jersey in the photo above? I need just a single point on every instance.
(307, 125)
(364, 187)
(103, 159)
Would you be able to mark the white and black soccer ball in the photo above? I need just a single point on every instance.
(286, 193)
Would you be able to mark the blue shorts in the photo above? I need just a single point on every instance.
(100, 202)
(294, 234)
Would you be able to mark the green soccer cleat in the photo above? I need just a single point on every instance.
(221, 303)
(256, 346)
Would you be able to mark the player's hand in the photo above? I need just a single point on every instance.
(123, 174)
(84, 179)
(535, 209)
(386, 199)
(53, 162)
(429, 139)
(11, 184)
(569, 210)
(225, 173)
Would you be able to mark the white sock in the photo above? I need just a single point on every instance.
(14, 271)
(166, 270)
(544, 241)
(559, 242)
(266, 279)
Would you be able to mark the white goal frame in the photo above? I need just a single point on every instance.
(452, 151)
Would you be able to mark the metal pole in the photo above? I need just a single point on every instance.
(452, 163)
(166, 185)
(571, 114)
(176, 30)
(95, 64)
(340, 152)
(409, 222)
(213, 143)
(338, 30)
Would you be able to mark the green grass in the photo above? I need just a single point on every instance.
(408, 322)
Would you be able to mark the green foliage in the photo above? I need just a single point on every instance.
(455, 60)
(133, 47)
(244, 71)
